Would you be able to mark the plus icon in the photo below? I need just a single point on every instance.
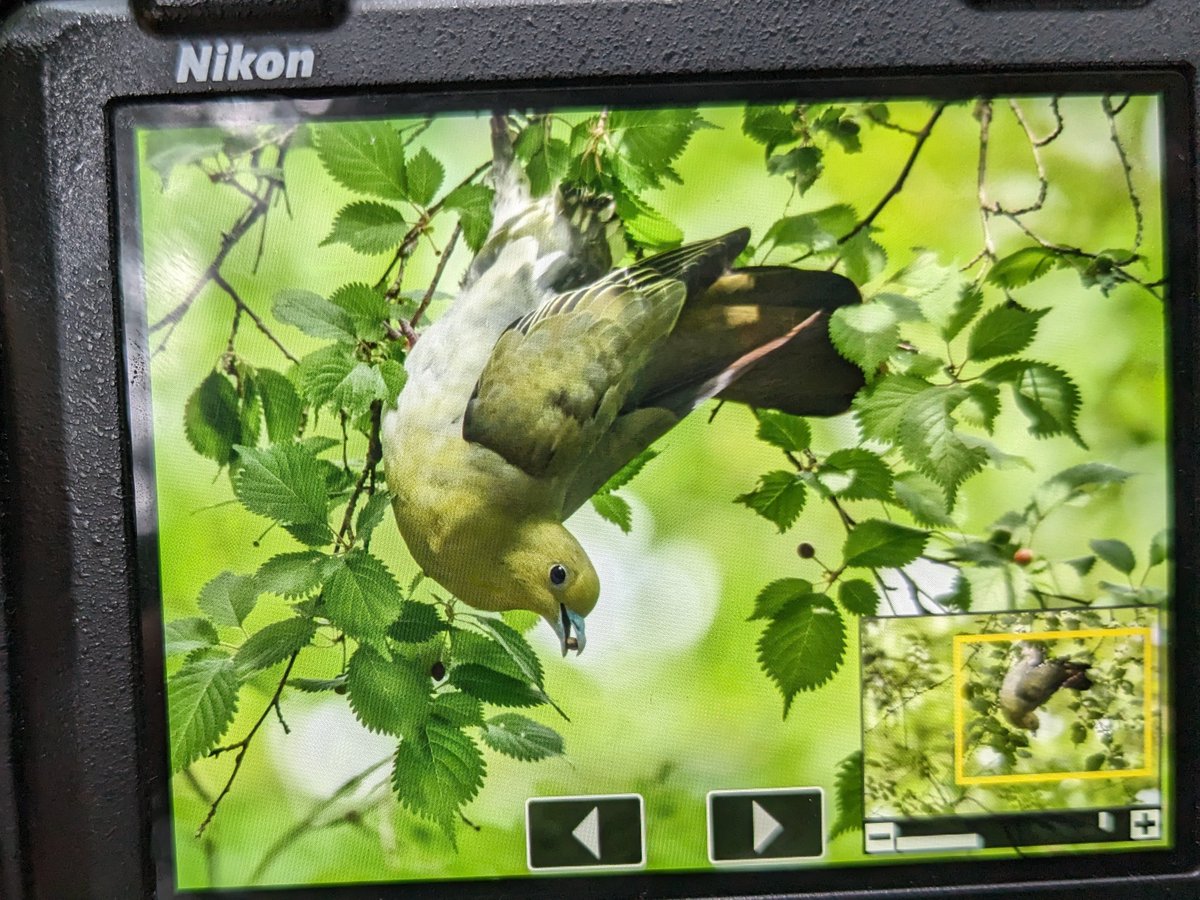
(1145, 824)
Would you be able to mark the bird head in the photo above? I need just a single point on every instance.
(550, 574)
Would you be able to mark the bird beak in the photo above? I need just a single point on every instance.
(568, 621)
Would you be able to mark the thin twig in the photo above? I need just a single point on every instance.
(345, 535)
(243, 307)
(437, 276)
(985, 207)
(1111, 113)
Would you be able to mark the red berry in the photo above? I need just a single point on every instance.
(1023, 556)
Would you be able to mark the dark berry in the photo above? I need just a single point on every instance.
(806, 551)
(438, 671)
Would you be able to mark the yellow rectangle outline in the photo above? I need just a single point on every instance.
(960, 640)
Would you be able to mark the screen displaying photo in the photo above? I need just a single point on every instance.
(659, 484)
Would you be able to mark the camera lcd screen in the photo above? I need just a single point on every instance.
(667, 481)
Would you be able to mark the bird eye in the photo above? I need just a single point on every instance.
(558, 574)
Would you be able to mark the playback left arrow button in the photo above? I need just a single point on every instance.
(595, 832)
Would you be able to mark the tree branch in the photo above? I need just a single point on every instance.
(243, 307)
(437, 276)
(345, 536)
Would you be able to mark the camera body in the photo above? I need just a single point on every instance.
(87, 765)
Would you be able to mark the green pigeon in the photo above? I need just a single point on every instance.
(551, 370)
(1033, 679)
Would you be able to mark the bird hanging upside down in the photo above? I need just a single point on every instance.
(551, 371)
(1033, 679)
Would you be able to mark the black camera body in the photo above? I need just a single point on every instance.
(85, 797)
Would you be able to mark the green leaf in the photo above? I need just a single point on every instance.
(958, 597)
(282, 408)
(779, 498)
(816, 231)
(546, 158)
(514, 644)
(848, 791)
(323, 371)
(394, 378)
(863, 256)
(841, 129)
(202, 700)
(874, 543)
(319, 685)
(292, 575)
(389, 696)
(1044, 393)
(367, 308)
(361, 596)
(211, 420)
(648, 141)
(314, 315)
(273, 644)
(966, 308)
(366, 157)
(803, 646)
(368, 227)
(457, 709)
(614, 509)
(437, 771)
(1024, 266)
(1162, 547)
(425, 176)
(856, 474)
(981, 405)
(858, 597)
(923, 499)
(1082, 564)
(1116, 553)
(186, 635)
(781, 430)
(521, 738)
(494, 687)
(777, 595)
(768, 125)
(284, 483)
(629, 471)
(929, 441)
(883, 406)
(645, 225)
(228, 598)
(1094, 762)
(1003, 331)
(371, 514)
(1075, 483)
(802, 166)
(473, 203)
(417, 623)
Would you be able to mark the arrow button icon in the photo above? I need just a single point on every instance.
(587, 832)
(766, 827)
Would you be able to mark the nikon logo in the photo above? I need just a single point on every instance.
(221, 61)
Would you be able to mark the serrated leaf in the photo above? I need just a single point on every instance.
(645, 225)
(790, 433)
(1003, 331)
(186, 635)
(863, 256)
(282, 407)
(1116, 553)
(313, 314)
(648, 141)
(981, 405)
(361, 596)
(368, 227)
(473, 647)
(779, 498)
(1162, 547)
(273, 644)
(514, 644)
(848, 792)
(494, 687)
(546, 157)
(816, 231)
(366, 157)
(436, 772)
(1082, 564)
(1044, 393)
(457, 709)
(521, 738)
(417, 623)
(1075, 483)
(857, 474)
(473, 203)
(777, 595)
(929, 441)
(803, 646)
(319, 685)
(966, 308)
(1024, 266)
(923, 499)
(629, 471)
(841, 129)
(614, 509)
(425, 175)
(367, 308)
(802, 166)
(882, 407)
(202, 700)
(875, 543)
(959, 596)
(211, 420)
(858, 597)
(389, 696)
(291, 575)
(371, 513)
(228, 598)
(768, 125)
(284, 483)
